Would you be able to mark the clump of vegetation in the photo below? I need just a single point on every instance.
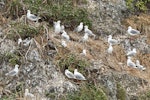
(88, 92)
(145, 96)
(72, 61)
(12, 58)
(140, 5)
(121, 94)
(49, 10)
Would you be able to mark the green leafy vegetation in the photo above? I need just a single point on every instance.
(49, 10)
(87, 92)
(140, 5)
(121, 94)
(72, 61)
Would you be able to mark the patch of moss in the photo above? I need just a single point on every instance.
(121, 93)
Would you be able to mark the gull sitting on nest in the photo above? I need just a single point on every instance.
(79, 28)
(19, 41)
(132, 53)
(32, 17)
(112, 41)
(132, 31)
(69, 74)
(85, 37)
(57, 27)
(139, 66)
(78, 75)
(13, 72)
(130, 63)
(88, 31)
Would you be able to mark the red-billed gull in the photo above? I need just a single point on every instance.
(130, 63)
(13, 72)
(112, 41)
(110, 49)
(79, 27)
(88, 31)
(32, 17)
(69, 74)
(63, 43)
(139, 66)
(57, 27)
(132, 53)
(132, 31)
(65, 36)
(78, 75)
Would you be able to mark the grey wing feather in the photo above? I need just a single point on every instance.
(80, 77)
(11, 73)
(134, 31)
(70, 75)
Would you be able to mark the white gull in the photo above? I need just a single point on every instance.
(130, 63)
(13, 72)
(132, 31)
(112, 41)
(57, 27)
(78, 75)
(79, 27)
(32, 17)
(139, 66)
(110, 49)
(132, 53)
(69, 74)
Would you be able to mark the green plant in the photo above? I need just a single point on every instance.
(87, 92)
(121, 94)
(145, 96)
(137, 4)
(72, 61)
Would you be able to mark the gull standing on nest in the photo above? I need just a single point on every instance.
(112, 41)
(79, 28)
(110, 49)
(78, 75)
(57, 27)
(88, 31)
(32, 17)
(14, 71)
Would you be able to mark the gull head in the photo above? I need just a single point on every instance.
(134, 49)
(81, 23)
(75, 70)
(110, 36)
(137, 62)
(129, 27)
(16, 66)
(26, 91)
(28, 11)
(86, 27)
(59, 21)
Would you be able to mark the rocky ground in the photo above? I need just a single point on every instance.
(43, 61)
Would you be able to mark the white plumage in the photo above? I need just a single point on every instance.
(110, 49)
(85, 37)
(79, 27)
(88, 31)
(13, 72)
(130, 63)
(132, 31)
(63, 43)
(83, 52)
(27, 94)
(32, 17)
(65, 36)
(78, 75)
(132, 53)
(62, 28)
(112, 41)
(19, 41)
(57, 27)
(139, 66)
(69, 74)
